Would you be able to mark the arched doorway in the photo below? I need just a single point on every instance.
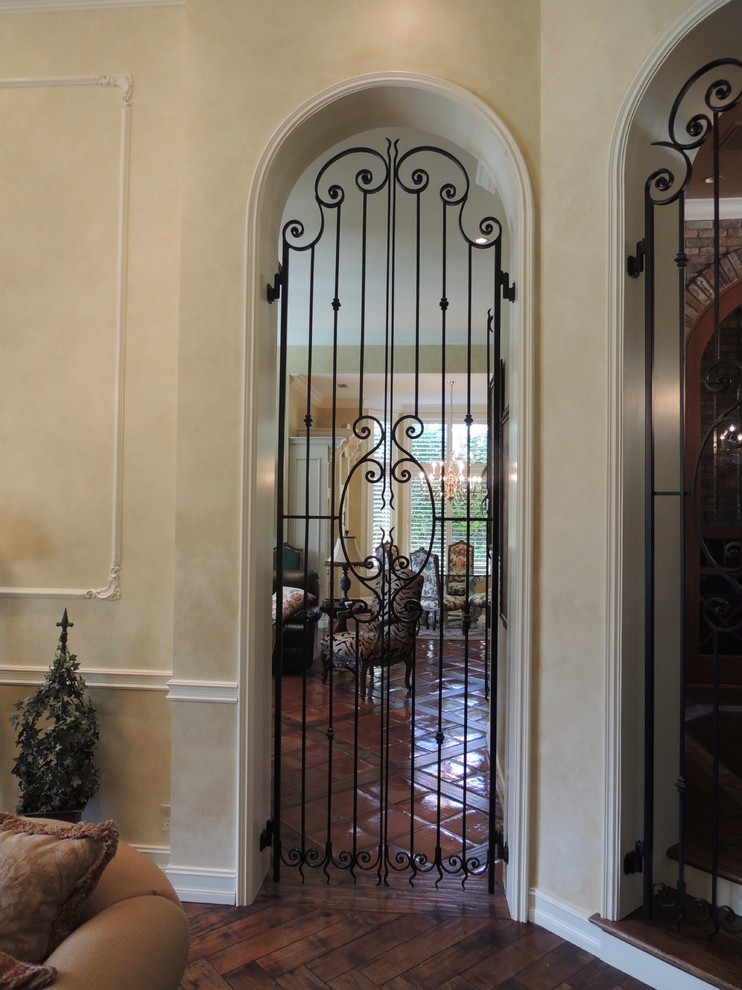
(706, 33)
(394, 99)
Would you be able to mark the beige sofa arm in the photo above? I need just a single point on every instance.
(140, 943)
(129, 874)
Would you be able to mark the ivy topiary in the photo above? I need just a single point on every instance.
(56, 735)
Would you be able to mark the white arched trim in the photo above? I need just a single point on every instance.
(377, 100)
(616, 277)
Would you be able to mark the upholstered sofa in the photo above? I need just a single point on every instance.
(129, 933)
(132, 935)
(299, 629)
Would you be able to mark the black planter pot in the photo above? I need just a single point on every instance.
(58, 816)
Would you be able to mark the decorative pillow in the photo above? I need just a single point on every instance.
(293, 601)
(47, 869)
(16, 975)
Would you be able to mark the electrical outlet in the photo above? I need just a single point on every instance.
(165, 817)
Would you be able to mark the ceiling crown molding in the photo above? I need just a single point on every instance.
(47, 6)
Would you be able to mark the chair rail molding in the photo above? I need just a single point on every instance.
(110, 589)
(44, 6)
(210, 692)
(120, 678)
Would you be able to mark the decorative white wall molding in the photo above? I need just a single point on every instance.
(120, 679)
(45, 6)
(193, 883)
(212, 692)
(110, 590)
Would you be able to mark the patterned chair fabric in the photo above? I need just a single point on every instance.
(458, 577)
(383, 634)
(427, 564)
(480, 602)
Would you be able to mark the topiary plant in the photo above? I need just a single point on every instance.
(56, 736)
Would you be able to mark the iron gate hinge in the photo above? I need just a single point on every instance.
(635, 262)
(508, 290)
(266, 836)
(633, 861)
(501, 847)
(273, 292)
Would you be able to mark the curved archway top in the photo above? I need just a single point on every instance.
(398, 99)
(701, 290)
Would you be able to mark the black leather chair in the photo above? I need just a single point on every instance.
(297, 641)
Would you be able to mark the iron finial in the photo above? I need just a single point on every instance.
(65, 624)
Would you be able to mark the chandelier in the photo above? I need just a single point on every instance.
(729, 444)
(451, 478)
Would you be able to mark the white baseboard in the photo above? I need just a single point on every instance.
(563, 920)
(572, 926)
(192, 883)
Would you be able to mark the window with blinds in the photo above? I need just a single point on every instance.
(427, 449)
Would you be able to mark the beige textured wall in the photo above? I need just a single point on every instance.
(242, 84)
(557, 74)
(591, 53)
(58, 531)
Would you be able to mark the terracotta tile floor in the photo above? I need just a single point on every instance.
(371, 771)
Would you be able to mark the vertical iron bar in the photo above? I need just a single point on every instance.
(446, 441)
(649, 557)
(493, 525)
(307, 461)
(467, 605)
(278, 629)
(681, 260)
(715, 797)
(716, 806)
(335, 519)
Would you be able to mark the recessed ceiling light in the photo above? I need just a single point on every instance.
(481, 240)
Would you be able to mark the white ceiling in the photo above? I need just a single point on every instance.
(379, 312)
(429, 392)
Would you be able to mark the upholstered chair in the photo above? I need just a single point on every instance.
(458, 577)
(379, 633)
(425, 563)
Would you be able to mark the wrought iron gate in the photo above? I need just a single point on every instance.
(699, 649)
(385, 658)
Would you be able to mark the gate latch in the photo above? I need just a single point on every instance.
(266, 836)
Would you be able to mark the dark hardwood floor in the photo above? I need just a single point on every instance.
(346, 937)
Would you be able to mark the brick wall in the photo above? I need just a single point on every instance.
(699, 246)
